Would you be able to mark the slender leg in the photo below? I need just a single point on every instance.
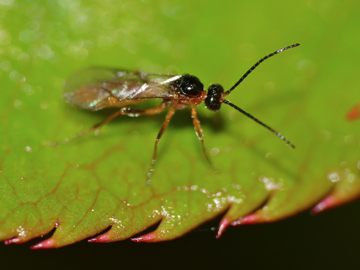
(123, 111)
(169, 115)
(198, 131)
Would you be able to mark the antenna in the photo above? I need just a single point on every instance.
(254, 66)
(259, 122)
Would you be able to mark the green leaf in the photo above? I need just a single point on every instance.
(98, 181)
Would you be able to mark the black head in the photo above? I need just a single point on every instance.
(190, 85)
(212, 100)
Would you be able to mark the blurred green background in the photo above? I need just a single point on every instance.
(43, 42)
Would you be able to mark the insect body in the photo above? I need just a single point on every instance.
(98, 88)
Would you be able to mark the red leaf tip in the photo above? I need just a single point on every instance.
(250, 219)
(49, 243)
(224, 224)
(147, 238)
(100, 239)
(325, 204)
(14, 240)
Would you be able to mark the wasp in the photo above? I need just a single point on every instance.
(100, 88)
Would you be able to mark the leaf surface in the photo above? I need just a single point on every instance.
(98, 181)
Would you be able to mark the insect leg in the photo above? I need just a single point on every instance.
(123, 111)
(108, 119)
(198, 131)
(169, 115)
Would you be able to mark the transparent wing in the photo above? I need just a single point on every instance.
(99, 88)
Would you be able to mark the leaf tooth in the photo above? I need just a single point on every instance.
(346, 190)
(15, 240)
(250, 219)
(104, 238)
(325, 204)
(146, 238)
(224, 224)
(48, 243)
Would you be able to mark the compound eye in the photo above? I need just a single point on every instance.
(191, 86)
